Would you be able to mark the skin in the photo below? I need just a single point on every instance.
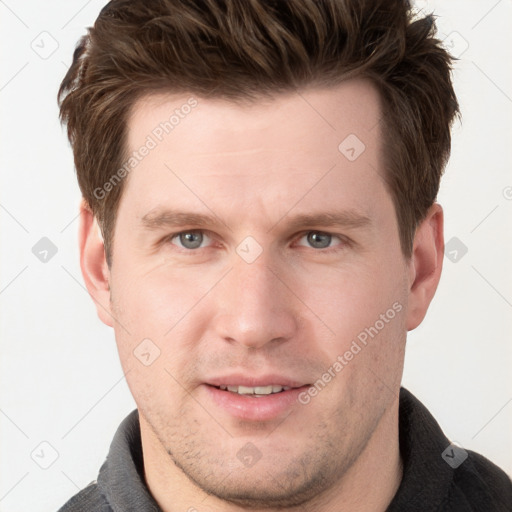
(292, 311)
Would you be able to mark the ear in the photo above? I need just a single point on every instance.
(425, 265)
(93, 263)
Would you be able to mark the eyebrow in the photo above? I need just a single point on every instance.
(168, 218)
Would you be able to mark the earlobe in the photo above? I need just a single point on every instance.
(93, 263)
(425, 265)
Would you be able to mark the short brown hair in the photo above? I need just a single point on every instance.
(242, 50)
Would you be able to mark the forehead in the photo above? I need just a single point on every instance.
(352, 106)
(273, 150)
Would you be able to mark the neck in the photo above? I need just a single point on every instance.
(367, 486)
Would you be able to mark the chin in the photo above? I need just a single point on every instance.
(277, 483)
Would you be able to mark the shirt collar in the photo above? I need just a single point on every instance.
(121, 478)
(426, 476)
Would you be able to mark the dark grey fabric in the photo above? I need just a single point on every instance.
(429, 483)
(120, 486)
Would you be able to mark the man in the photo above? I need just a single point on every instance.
(260, 228)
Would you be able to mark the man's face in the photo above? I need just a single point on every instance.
(264, 291)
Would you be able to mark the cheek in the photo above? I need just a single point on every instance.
(158, 324)
(153, 301)
(155, 345)
(352, 298)
(366, 311)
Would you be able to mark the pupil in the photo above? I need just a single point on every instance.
(319, 240)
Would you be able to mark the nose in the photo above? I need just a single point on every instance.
(254, 307)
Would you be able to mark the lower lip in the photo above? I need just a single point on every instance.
(259, 408)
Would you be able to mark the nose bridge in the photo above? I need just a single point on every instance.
(254, 308)
(255, 284)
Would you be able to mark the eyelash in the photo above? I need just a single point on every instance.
(343, 240)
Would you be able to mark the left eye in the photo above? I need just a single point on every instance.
(190, 239)
(319, 239)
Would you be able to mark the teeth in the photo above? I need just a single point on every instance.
(262, 390)
(257, 390)
(245, 390)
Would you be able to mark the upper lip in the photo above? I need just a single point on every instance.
(254, 381)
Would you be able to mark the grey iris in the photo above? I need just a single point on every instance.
(319, 240)
(191, 239)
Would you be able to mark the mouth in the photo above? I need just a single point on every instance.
(254, 399)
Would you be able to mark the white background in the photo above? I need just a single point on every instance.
(61, 382)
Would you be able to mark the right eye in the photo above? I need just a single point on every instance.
(189, 239)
